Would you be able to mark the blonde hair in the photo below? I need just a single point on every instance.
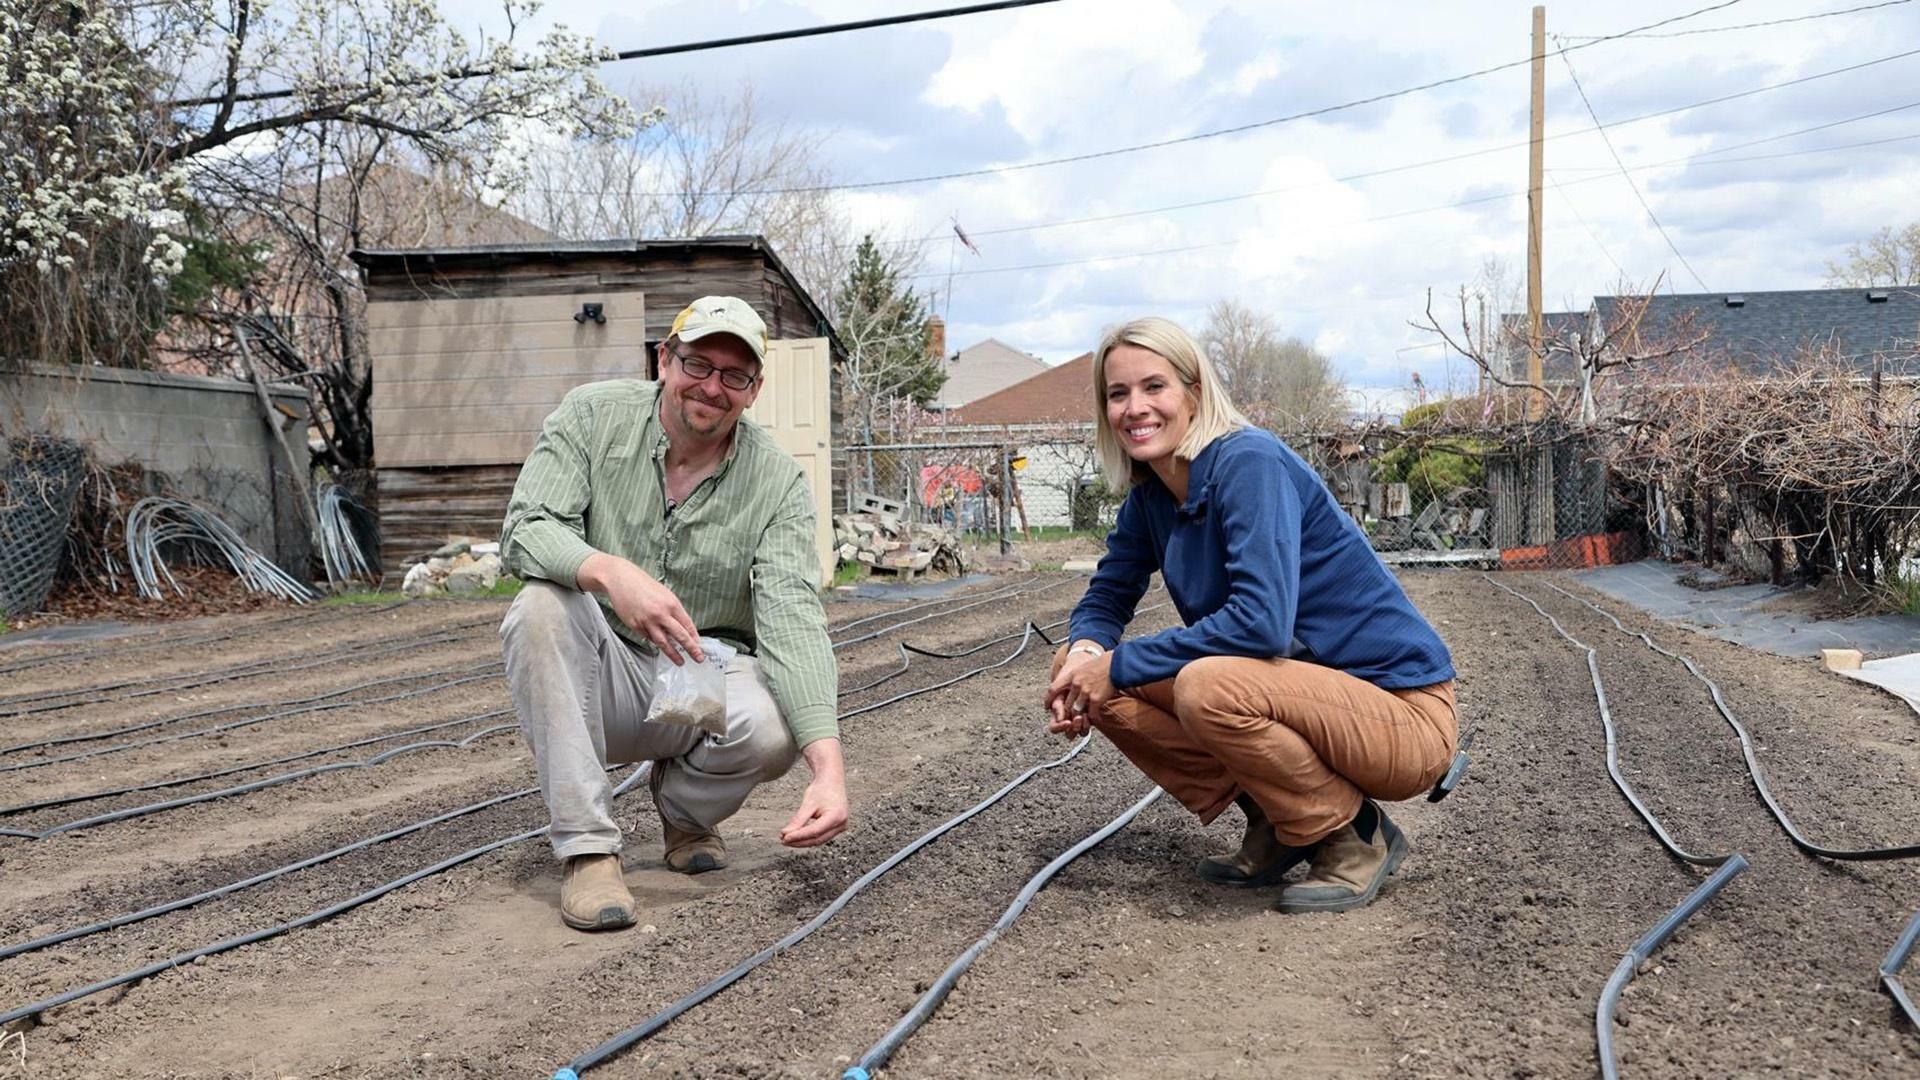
(1214, 413)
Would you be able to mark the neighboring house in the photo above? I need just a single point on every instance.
(1758, 331)
(983, 368)
(1049, 417)
(1561, 332)
(472, 347)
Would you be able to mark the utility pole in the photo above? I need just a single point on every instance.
(1536, 345)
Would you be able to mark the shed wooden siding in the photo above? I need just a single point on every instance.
(468, 381)
(421, 507)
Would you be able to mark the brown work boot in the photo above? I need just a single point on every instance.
(1349, 866)
(687, 852)
(693, 852)
(1261, 860)
(593, 894)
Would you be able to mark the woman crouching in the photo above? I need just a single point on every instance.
(1303, 686)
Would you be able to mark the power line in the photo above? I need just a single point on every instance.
(1625, 175)
(1591, 235)
(1237, 129)
(1461, 204)
(659, 50)
(1757, 25)
(1363, 175)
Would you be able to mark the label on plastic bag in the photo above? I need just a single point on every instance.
(693, 694)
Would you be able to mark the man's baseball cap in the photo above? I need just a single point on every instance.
(722, 315)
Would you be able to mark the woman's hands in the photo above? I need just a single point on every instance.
(1079, 689)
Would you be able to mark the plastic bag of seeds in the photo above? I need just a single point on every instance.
(693, 694)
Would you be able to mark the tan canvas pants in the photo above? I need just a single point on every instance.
(582, 694)
(1306, 742)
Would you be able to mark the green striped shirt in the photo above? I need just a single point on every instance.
(739, 553)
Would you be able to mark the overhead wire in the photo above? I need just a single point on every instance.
(645, 53)
(1758, 25)
(1445, 159)
(1625, 175)
(1478, 200)
(1237, 129)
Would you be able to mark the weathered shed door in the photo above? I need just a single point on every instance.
(793, 407)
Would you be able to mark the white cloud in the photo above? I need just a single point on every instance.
(1345, 264)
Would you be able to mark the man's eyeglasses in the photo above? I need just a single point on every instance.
(698, 368)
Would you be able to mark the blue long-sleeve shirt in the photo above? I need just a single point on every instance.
(1257, 558)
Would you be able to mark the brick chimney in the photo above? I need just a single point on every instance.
(937, 339)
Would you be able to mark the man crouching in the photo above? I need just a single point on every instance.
(647, 515)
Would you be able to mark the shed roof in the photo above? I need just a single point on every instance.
(404, 262)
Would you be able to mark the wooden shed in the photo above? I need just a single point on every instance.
(472, 347)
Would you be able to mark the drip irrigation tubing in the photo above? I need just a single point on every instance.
(355, 653)
(1613, 746)
(1890, 970)
(262, 784)
(648, 1027)
(1754, 770)
(123, 920)
(117, 921)
(1026, 638)
(148, 725)
(1011, 590)
(247, 722)
(117, 649)
(877, 1056)
(907, 652)
(308, 919)
(1644, 948)
(180, 781)
(838, 645)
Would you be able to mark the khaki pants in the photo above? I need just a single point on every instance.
(1306, 742)
(582, 694)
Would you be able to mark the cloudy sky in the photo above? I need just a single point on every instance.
(1750, 197)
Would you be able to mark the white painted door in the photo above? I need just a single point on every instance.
(794, 408)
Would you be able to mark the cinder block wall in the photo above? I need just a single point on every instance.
(205, 433)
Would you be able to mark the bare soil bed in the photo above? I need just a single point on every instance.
(1484, 957)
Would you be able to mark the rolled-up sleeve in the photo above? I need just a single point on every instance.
(545, 532)
(789, 621)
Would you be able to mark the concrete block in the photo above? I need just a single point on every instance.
(1841, 659)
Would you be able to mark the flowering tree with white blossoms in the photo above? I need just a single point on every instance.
(125, 122)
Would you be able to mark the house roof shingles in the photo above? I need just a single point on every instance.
(983, 368)
(1766, 328)
(1061, 394)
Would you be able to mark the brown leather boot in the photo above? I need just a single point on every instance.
(1349, 866)
(593, 894)
(1261, 860)
(693, 852)
(687, 852)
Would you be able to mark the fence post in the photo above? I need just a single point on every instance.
(1006, 487)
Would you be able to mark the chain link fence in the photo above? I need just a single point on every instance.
(39, 483)
(1532, 498)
